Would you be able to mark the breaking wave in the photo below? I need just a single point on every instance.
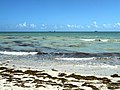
(89, 40)
(18, 53)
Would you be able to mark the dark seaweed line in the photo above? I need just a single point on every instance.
(81, 54)
(8, 74)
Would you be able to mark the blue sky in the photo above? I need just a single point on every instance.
(34, 14)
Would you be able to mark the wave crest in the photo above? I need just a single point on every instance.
(18, 53)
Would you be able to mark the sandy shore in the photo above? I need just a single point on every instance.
(14, 78)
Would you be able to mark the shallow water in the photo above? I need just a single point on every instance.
(22, 49)
(52, 42)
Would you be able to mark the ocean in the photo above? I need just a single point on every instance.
(97, 51)
(89, 42)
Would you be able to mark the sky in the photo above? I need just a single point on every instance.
(60, 14)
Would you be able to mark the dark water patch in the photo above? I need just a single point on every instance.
(5, 48)
(26, 44)
(17, 41)
(108, 54)
(50, 50)
(44, 38)
(26, 37)
(10, 37)
(74, 45)
(5, 42)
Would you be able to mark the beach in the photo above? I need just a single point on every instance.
(14, 77)
(59, 61)
(59, 45)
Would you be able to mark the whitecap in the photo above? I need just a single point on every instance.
(104, 40)
(88, 40)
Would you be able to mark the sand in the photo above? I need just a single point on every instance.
(24, 78)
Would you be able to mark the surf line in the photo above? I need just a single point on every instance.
(18, 53)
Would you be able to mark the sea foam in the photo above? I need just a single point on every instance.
(92, 58)
(88, 40)
(18, 53)
(91, 40)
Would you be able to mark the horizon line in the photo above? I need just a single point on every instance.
(53, 31)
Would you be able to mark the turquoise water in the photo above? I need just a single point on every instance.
(90, 42)
(100, 50)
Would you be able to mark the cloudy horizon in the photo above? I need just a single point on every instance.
(80, 15)
(94, 26)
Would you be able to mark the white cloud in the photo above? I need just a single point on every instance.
(25, 25)
(73, 26)
(22, 24)
(55, 26)
(104, 25)
(95, 24)
(32, 25)
(88, 26)
(43, 25)
(68, 26)
(117, 24)
(19, 25)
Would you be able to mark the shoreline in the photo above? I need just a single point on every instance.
(23, 78)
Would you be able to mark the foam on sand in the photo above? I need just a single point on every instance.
(92, 58)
